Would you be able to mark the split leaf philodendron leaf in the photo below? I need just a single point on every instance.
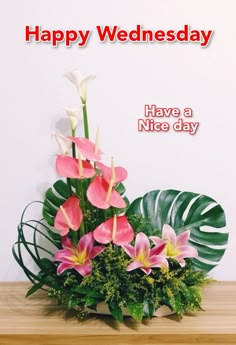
(186, 211)
(54, 198)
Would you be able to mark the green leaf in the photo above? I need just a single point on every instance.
(175, 303)
(46, 264)
(148, 309)
(120, 188)
(87, 291)
(90, 301)
(54, 197)
(34, 288)
(62, 189)
(185, 211)
(136, 311)
(116, 311)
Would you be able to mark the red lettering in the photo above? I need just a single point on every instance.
(107, 32)
(29, 32)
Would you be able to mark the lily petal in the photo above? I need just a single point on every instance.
(129, 250)
(84, 269)
(158, 249)
(68, 167)
(186, 251)
(63, 267)
(133, 266)
(168, 234)
(64, 255)
(158, 261)
(74, 213)
(87, 148)
(120, 173)
(142, 245)
(156, 240)
(146, 270)
(86, 244)
(183, 238)
(66, 242)
(96, 251)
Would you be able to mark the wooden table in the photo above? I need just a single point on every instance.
(37, 320)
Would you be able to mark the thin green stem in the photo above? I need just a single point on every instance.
(86, 126)
(69, 184)
(73, 144)
(74, 237)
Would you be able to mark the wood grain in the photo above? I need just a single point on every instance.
(38, 320)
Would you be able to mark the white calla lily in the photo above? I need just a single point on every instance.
(80, 82)
(75, 115)
(64, 143)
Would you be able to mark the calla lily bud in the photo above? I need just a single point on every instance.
(75, 115)
(80, 82)
(64, 143)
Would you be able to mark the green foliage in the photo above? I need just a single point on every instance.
(179, 288)
(183, 211)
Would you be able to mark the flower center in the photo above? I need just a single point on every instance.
(80, 257)
(142, 257)
(171, 251)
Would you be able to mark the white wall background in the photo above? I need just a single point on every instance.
(34, 93)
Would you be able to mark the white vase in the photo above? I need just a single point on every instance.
(103, 309)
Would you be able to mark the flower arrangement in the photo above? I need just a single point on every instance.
(94, 247)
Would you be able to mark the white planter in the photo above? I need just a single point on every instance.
(103, 309)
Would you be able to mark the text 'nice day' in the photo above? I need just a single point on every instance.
(115, 34)
(151, 125)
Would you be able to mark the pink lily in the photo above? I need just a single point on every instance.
(116, 229)
(69, 216)
(176, 246)
(87, 148)
(74, 168)
(77, 257)
(143, 256)
(97, 194)
(120, 174)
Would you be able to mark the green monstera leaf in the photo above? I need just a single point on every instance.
(184, 211)
(54, 198)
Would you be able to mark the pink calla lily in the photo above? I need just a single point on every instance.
(176, 246)
(97, 194)
(143, 256)
(69, 167)
(77, 257)
(119, 172)
(116, 229)
(87, 148)
(69, 216)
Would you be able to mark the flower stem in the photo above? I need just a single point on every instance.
(69, 184)
(74, 237)
(86, 126)
(73, 145)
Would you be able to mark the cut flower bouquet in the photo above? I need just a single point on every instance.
(93, 247)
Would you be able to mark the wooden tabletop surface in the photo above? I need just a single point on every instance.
(38, 320)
